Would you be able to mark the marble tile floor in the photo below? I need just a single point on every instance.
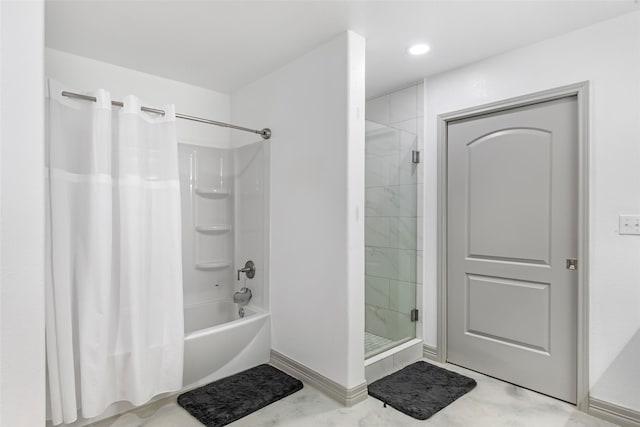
(492, 403)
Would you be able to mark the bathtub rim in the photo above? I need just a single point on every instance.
(258, 314)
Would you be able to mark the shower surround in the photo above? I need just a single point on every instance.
(223, 226)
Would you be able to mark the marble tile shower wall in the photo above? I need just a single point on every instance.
(393, 215)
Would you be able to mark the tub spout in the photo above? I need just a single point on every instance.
(242, 297)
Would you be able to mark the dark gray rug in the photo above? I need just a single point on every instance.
(229, 399)
(421, 389)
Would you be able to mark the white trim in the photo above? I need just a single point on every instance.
(343, 395)
(391, 351)
(616, 414)
(430, 353)
(581, 91)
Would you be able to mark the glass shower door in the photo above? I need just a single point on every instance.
(390, 237)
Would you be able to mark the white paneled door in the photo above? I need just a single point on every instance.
(512, 224)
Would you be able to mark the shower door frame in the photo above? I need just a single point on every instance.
(417, 303)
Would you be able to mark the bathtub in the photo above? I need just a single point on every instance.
(218, 342)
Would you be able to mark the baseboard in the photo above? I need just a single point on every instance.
(616, 414)
(430, 353)
(344, 396)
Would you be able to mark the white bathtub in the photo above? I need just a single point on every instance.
(218, 343)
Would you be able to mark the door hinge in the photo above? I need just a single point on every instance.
(414, 315)
(415, 156)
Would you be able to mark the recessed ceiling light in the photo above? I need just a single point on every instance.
(419, 49)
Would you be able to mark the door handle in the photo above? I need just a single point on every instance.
(572, 264)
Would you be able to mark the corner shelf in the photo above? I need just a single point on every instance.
(213, 193)
(210, 229)
(213, 265)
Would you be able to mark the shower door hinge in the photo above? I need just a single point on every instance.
(415, 156)
(414, 315)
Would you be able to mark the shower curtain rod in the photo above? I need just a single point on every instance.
(264, 133)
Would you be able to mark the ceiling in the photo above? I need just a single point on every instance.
(224, 45)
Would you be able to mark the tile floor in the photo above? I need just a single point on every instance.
(374, 344)
(492, 403)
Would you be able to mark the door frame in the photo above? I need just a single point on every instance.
(581, 91)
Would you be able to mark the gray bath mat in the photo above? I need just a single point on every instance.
(229, 399)
(421, 389)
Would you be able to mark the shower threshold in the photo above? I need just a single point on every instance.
(375, 344)
(397, 347)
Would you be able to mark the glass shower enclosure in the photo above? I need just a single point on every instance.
(390, 237)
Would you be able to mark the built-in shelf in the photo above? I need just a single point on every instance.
(213, 265)
(221, 228)
(211, 192)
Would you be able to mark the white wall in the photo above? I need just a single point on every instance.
(85, 74)
(315, 108)
(22, 373)
(354, 212)
(608, 55)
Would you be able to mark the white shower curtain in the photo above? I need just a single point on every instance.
(114, 321)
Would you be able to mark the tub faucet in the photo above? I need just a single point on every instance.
(242, 297)
(249, 269)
